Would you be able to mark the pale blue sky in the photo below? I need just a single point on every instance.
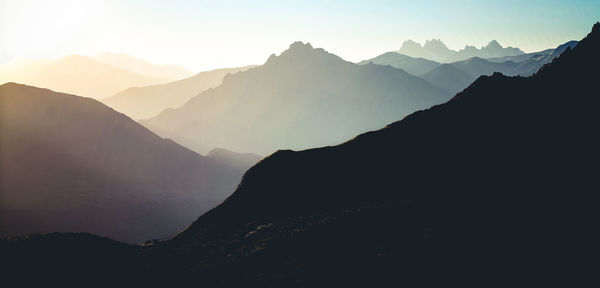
(202, 35)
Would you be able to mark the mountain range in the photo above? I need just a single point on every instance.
(457, 75)
(301, 99)
(148, 101)
(436, 50)
(72, 164)
(496, 187)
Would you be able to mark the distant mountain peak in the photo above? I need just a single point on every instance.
(494, 44)
(434, 43)
(300, 51)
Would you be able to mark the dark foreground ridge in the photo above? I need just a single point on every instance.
(497, 187)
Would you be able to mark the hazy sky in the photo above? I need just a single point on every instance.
(201, 35)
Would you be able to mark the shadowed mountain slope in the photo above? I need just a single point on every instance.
(300, 99)
(80, 75)
(145, 102)
(71, 164)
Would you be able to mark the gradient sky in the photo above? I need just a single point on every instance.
(201, 35)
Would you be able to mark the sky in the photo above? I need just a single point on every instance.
(202, 35)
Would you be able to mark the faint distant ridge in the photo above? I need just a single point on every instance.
(164, 73)
(148, 101)
(436, 50)
(74, 74)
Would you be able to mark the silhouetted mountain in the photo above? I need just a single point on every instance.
(497, 187)
(145, 102)
(73, 74)
(414, 66)
(165, 73)
(302, 98)
(448, 77)
(71, 164)
(436, 50)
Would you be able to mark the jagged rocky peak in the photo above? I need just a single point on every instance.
(299, 49)
(299, 45)
(493, 44)
(435, 44)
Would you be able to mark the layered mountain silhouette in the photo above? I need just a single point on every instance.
(145, 102)
(165, 73)
(80, 75)
(437, 51)
(497, 187)
(303, 98)
(71, 164)
(453, 80)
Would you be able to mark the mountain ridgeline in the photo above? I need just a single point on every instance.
(148, 101)
(71, 164)
(303, 98)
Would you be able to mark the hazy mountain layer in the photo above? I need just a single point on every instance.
(73, 74)
(165, 73)
(300, 99)
(145, 102)
(414, 66)
(71, 164)
(436, 50)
